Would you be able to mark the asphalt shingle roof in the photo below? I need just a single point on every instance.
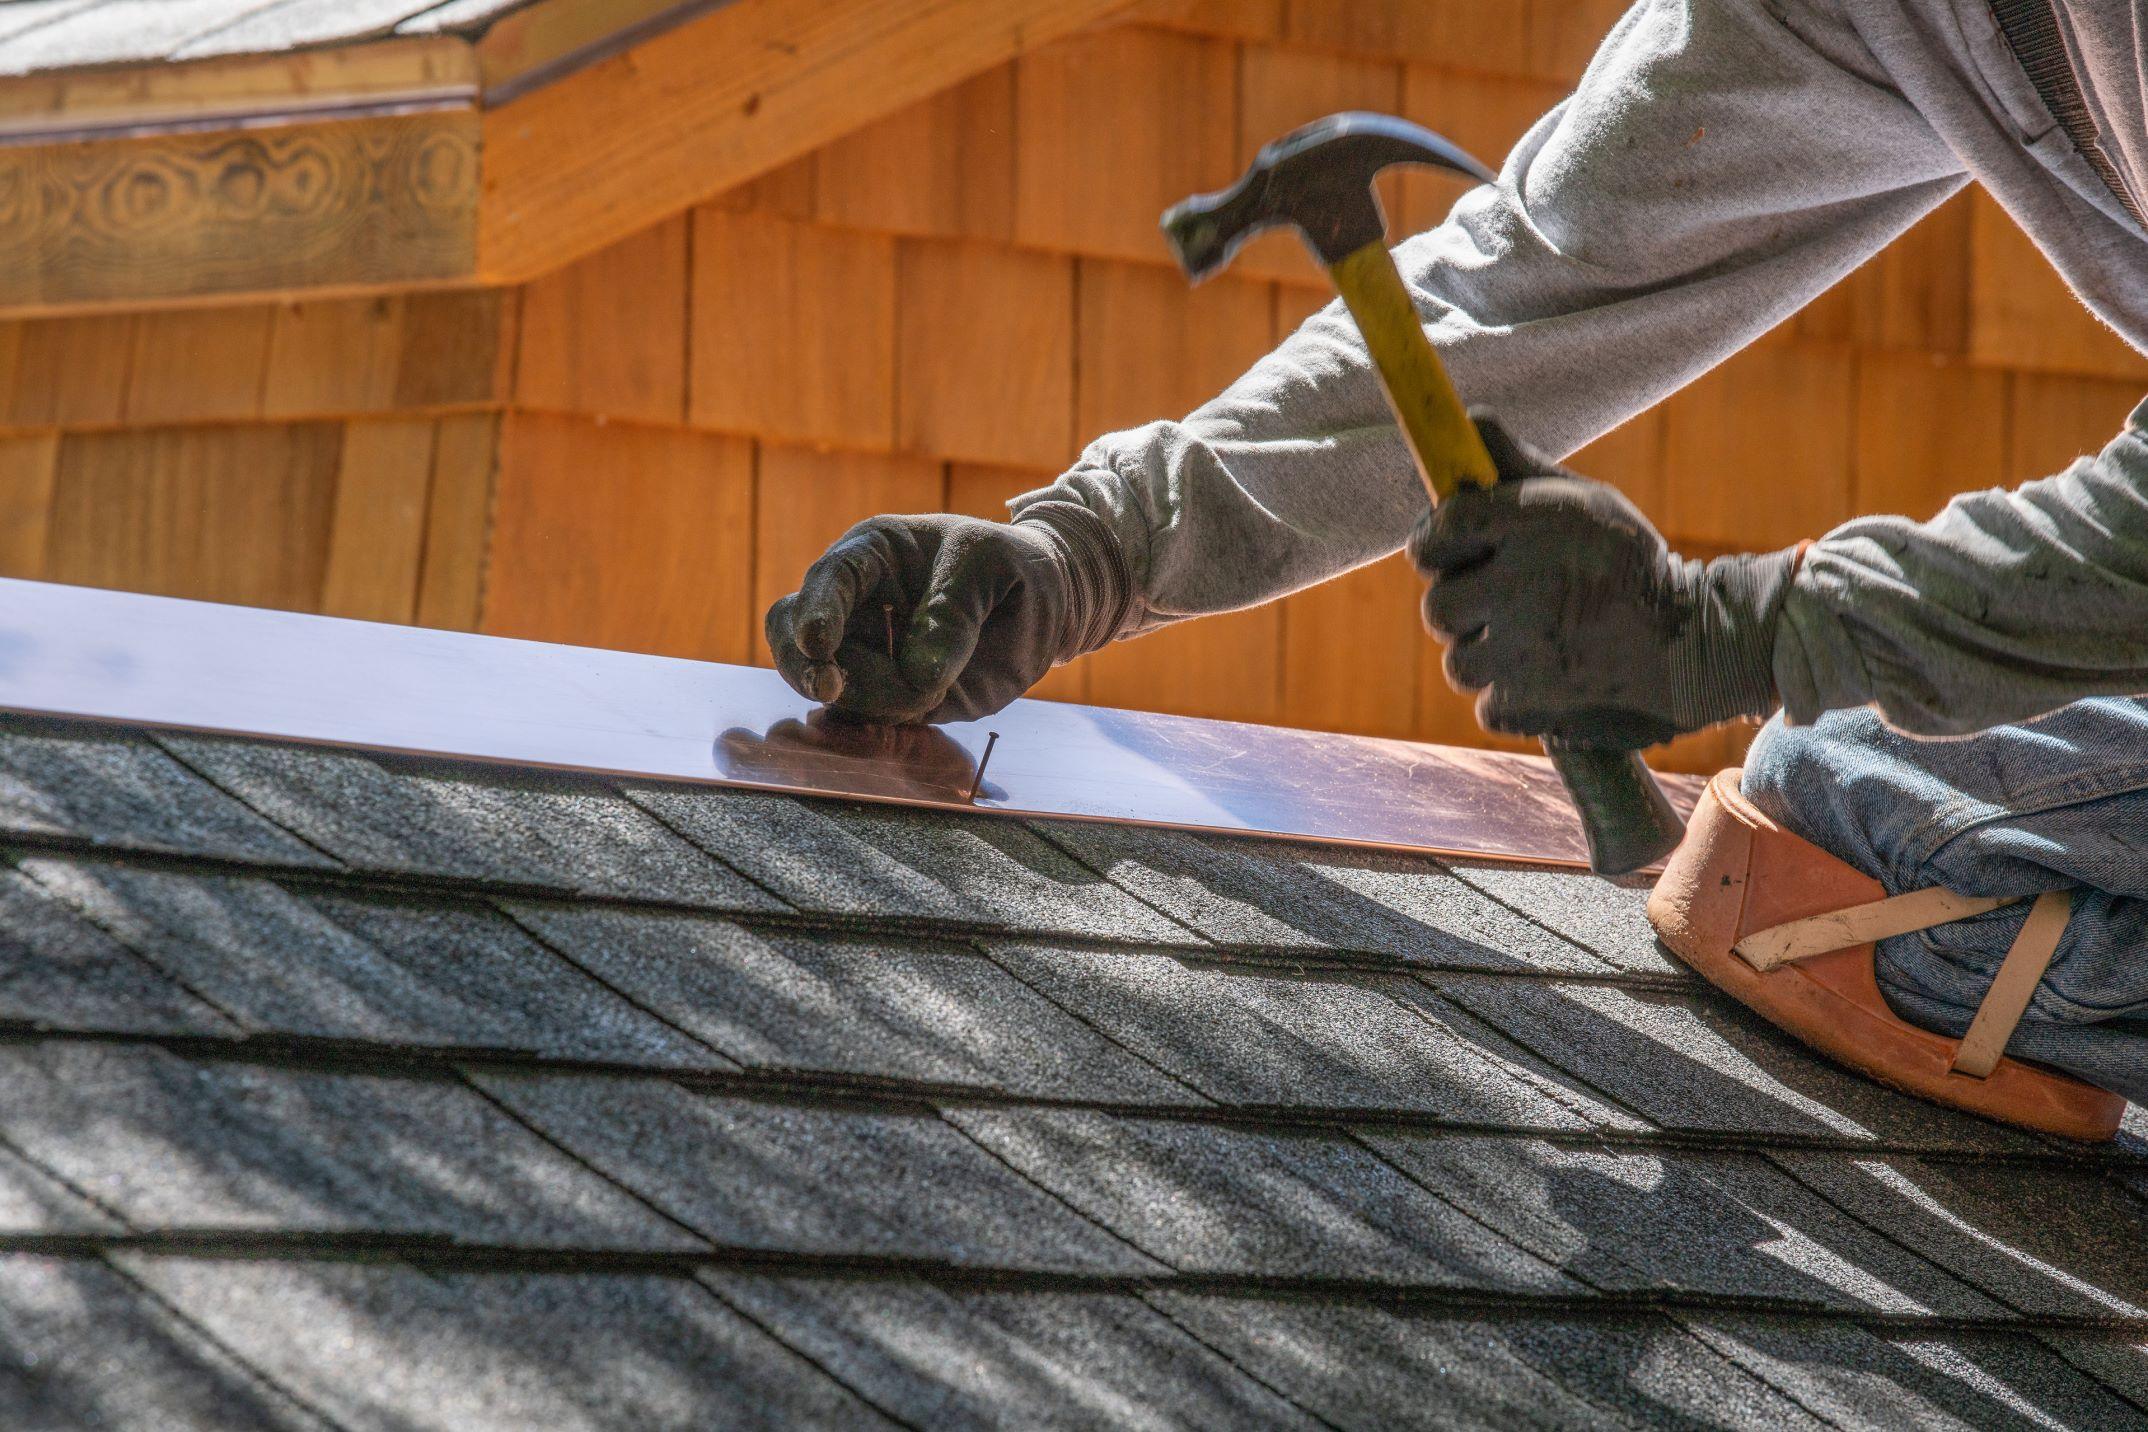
(354, 1091)
(41, 35)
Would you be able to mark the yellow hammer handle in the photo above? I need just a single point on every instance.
(1443, 439)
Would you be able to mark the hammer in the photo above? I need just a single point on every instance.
(1319, 179)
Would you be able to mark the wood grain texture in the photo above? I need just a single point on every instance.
(377, 536)
(2022, 315)
(333, 356)
(607, 334)
(1228, 667)
(944, 167)
(1279, 88)
(1097, 188)
(793, 330)
(1152, 347)
(622, 536)
(198, 364)
(1485, 114)
(1470, 34)
(986, 351)
(67, 372)
(27, 468)
(623, 143)
(235, 86)
(979, 490)
(2056, 419)
(457, 349)
(1757, 453)
(359, 202)
(804, 500)
(1926, 430)
(1231, 19)
(1913, 295)
(1351, 651)
(458, 521)
(221, 514)
(1562, 36)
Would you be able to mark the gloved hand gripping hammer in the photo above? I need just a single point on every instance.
(1319, 179)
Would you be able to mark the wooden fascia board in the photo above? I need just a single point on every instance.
(382, 167)
(633, 139)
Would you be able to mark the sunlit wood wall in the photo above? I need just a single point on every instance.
(644, 450)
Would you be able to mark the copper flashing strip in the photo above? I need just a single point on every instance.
(158, 661)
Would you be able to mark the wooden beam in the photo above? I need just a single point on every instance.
(633, 139)
(436, 69)
(359, 203)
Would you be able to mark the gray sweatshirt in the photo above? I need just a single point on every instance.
(1721, 163)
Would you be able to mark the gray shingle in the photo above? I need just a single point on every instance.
(58, 971)
(1608, 918)
(327, 966)
(400, 816)
(1359, 1366)
(1245, 891)
(849, 858)
(1699, 1062)
(980, 1359)
(2118, 1363)
(1856, 1378)
(294, 24)
(1247, 1038)
(803, 1178)
(166, 1143)
(1279, 1205)
(2042, 1239)
(120, 790)
(34, 1202)
(892, 1008)
(391, 1347)
(82, 1347)
(1366, 1367)
(1676, 1221)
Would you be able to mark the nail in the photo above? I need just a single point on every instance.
(977, 781)
(887, 616)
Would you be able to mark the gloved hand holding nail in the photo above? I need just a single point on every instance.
(1564, 609)
(980, 611)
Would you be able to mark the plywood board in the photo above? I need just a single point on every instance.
(458, 349)
(986, 352)
(622, 536)
(2022, 315)
(1225, 667)
(793, 330)
(69, 372)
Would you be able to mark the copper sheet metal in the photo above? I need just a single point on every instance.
(156, 661)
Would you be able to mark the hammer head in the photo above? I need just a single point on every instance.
(1318, 178)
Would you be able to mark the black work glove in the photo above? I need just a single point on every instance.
(1564, 608)
(980, 611)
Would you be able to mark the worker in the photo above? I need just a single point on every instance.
(1721, 163)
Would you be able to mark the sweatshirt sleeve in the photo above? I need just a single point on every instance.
(1721, 163)
(2007, 605)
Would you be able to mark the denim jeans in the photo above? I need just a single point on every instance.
(2059, 802)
